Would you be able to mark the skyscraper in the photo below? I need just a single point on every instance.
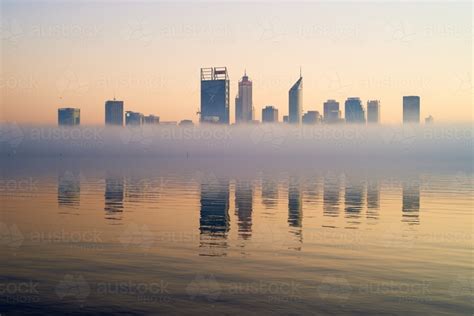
(295, 104)
(114, 112)
(151, 119)
(133, 118)
(215, 95)
(411, 109)
(269, 114)
(311, 117)
(354, 111)
(243, 101)
(373, 111)
(331, 111)
(69, 116)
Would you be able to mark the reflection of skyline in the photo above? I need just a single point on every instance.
(411, 202)
(244, 207)
(295, 207)
(114, 194)
(373, 199)
(331, 196)
(214, 222)
(69, 190)
(353, 201)
(269, 192)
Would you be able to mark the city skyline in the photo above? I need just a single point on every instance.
(423, 53)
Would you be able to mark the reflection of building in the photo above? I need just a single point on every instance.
(331, 112)
(353, 200)
(243, 101)
(411, 109)
(354, 111)
(295, 105)
(69, 116)
(69, 189)
(114, 112)
(295, 208)
(331, 195)
(133, 118)
(243, 205)
(373, 111)
(114, 193)
(269, 114)
(214, 223)
(411, 202)
(311, 117)
(269, 193)
(373, 199)
(215, 95)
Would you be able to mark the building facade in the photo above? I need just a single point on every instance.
(114, 112)
(373, 111)
(269, 114)
(243, 101)
(215, 95)
(411, 109)
(331, 112)
(151, 119)
(311, 117)
(133, 118)
(354, 111)
(69, 116)
(295, 104)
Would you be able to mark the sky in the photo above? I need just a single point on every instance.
(149, 54)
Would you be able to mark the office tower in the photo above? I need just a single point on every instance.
(331, 112)
(133, 118)
(429, 120)
(411, 109)
(215, 95)
(69, 116)
(373, 111)
(311, 117)
(295, 104)
(354, 111)
(151, 119)
(243, 101)
(114, 112)
(285, 119)
(269, 114)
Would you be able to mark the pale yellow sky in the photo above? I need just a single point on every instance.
(79, 54)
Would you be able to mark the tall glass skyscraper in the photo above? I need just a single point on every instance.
(354, 111)
(331, 111)
(243, 101)
(295, 104)
(411, 109)
(114, 112)
(69, 116)
(215, 95)
(373, 111)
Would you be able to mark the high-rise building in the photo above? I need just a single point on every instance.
(151, 119)
(311, 117)
(69, 116)
(215, 95)
(133, 118)
(411, 109)
(331, 111)
(429, 120)
(243, 101)
(354, 111)
(285, 119)
(269, 114)
(114, 112)
(295, 104)
(373, 111)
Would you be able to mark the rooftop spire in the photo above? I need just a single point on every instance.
(301, 76)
